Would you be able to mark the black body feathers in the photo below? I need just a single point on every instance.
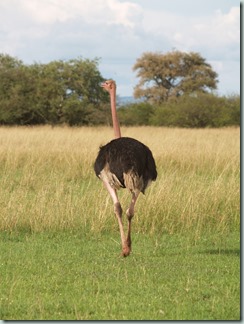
(125, 158)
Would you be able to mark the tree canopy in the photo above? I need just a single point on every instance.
(57, 92)
(170, 75)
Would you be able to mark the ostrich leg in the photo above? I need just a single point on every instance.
(118, 213)
(130, 214)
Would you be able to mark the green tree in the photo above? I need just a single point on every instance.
(165, 76)
(57, 92)
(65, 90)
(16, 89)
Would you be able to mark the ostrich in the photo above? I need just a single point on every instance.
(124, 163)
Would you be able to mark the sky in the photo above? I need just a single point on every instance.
(118, 32)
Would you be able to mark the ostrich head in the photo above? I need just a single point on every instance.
(109, 86)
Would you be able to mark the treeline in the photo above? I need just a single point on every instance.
(69, 92)
(198, 111)
(55, 93)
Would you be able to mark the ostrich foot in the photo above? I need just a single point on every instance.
(126, 251)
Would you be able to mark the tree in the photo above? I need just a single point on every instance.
(65, 90)
(170, 75)
(53, 93)
(16, 88)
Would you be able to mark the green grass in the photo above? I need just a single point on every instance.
(68, 276)
(60, 243)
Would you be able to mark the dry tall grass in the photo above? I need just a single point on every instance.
(48, 183)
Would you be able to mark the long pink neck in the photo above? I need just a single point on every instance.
(116, 127)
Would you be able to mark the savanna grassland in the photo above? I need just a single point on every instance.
(60, 242)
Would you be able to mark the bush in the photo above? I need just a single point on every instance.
(203, 110)
(135, 114)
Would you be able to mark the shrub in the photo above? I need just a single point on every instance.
(202, 110)
(136, 114)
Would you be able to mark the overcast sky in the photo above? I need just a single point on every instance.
(119, 31)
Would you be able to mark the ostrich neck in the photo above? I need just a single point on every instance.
(115, 120)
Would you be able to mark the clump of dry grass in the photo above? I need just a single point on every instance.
(48, 183)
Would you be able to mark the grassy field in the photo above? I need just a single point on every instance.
(60, 242)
